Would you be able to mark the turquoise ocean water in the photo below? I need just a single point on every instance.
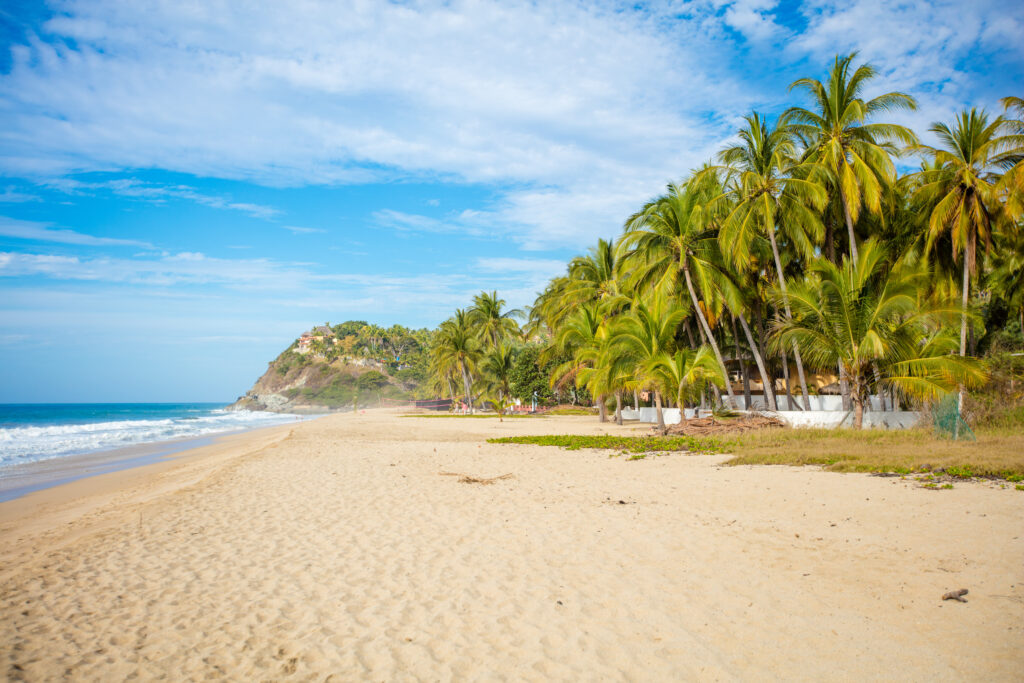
(30, 433)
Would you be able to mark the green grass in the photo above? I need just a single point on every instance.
(491, 416)
(997, 454)
(571, 411)
(627, 444)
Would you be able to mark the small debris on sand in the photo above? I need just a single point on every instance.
(956, 595)
(466, 479)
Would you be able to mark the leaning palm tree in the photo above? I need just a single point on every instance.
(687, 372)
(839, 137)
(770, 191)
(960, 192)
(867, 319)
(492, 323)
(457, 346)
(669, 240)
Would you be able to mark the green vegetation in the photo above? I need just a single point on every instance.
(800, 260)
(626, 444)
(994, 455)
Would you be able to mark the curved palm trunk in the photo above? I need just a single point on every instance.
(658, 411)
(789, 316)
(769, 390)
(710, 337)
(602, 409)
(618, 407)
(466, 384)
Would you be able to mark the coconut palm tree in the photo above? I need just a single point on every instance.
(1012, 156)
(582, 336)
(457, 345)
(771, 191)
(960, 192)
(492, 323)
(643, 338)
(668, 241)
(496, 369)
(687, 372)
(841, 138)
(867, 318)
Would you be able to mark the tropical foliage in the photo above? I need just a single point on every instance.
(797, 262)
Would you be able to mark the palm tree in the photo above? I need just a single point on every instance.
(1012, 157)
(960, 191)
(457, 346)
(687, 372)
(865, 318)
(1006, 277)
(583, 337)
(669, 240)
(643, 338)
(496, 368)
(491, 322)
(770, 191)
(840, 138)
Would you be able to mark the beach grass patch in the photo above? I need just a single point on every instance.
(625, 444)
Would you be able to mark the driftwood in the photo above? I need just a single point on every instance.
(466, 479)
(956, 595)
(709, 425)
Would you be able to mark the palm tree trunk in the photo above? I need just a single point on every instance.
(657, 406)
(789, 316)
(618, 407)
(769, 390)
(858, 412)
(785, 375)
(742, 363)
(682, 406)
(636, 400)
(849, 226)
(844, 387)
(964, 293)
(602, 409)
(466, 384)
(710, 337)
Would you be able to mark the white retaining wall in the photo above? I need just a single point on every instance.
(902, 419)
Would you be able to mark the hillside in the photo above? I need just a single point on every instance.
(332, 368)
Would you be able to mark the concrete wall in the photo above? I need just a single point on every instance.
(903, 419)
(822, 402)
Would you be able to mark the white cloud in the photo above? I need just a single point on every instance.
(41, 232)
(12, 196)
(157, 193)
(571, 112)
(299, 230)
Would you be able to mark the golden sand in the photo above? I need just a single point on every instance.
(338, 550)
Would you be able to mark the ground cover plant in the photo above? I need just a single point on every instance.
(996, 453)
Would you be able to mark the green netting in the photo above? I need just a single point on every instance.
(948, 421)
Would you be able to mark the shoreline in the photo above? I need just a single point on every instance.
(21, 479)
(344, 546)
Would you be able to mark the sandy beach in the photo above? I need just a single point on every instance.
(346, 549)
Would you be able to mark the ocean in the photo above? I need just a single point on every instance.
(29, 433)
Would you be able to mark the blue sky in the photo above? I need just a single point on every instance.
(185, 187)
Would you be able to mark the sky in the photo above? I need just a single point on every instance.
(186, 186)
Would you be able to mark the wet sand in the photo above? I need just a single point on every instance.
(336, 550)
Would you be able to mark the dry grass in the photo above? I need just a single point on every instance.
(998, 453)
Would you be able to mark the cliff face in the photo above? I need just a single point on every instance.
(302, 383)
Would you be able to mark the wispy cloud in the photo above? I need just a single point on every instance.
(158, 193)
(299, 230)
(42, 232)
(12, 196)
